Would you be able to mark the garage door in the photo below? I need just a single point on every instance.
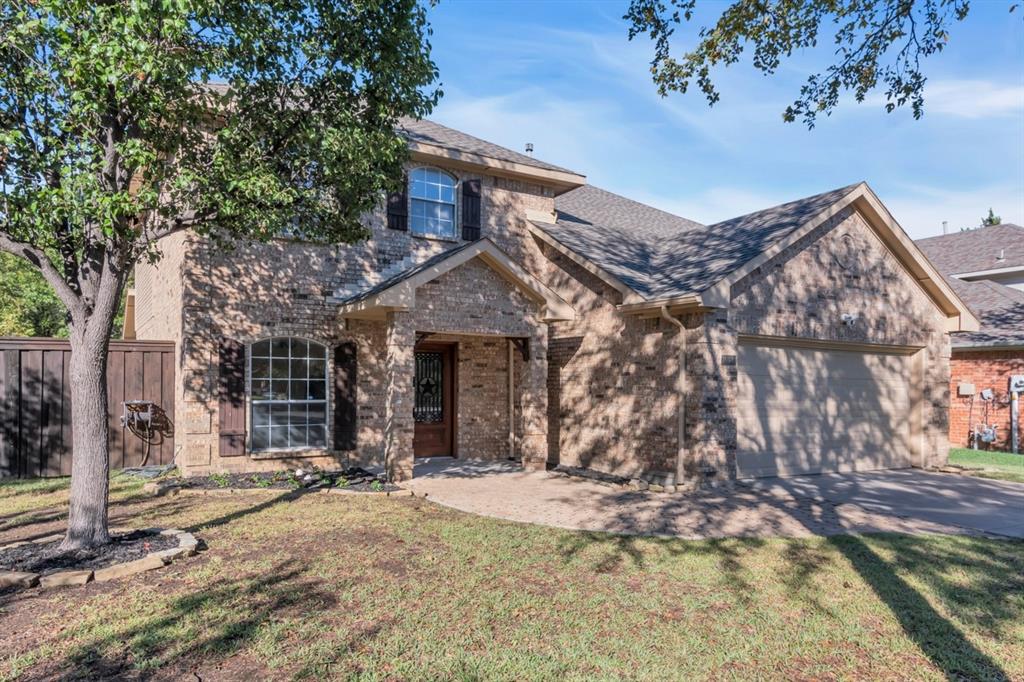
(814, 410)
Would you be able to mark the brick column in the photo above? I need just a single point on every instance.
(534, 391)
(399, 369)
(712, 375)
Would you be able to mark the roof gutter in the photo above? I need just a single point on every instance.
(987, 273)
(675, 303)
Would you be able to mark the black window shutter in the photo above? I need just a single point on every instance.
(398, 208)
(471, 210)
(345, 417)
(231, 398)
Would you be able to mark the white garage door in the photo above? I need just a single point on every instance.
(812, 410)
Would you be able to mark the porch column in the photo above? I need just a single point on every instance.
(398, 418)
(534, 391)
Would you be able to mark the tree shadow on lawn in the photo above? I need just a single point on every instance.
(984, 603)
(220, 619)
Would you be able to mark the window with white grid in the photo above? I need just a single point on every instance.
(432, 203)
(288, 394)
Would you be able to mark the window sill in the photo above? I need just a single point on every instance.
(435, 238)
(297, 453)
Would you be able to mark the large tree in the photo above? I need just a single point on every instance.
(875, 42)
(124, 121)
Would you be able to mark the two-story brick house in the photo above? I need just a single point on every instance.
(504, 308)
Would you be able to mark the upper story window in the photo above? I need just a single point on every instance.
(288, 392)
(432, 203)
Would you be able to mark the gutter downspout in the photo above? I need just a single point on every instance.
(681, 386)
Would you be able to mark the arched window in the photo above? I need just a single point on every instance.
(288, 394)
(432, 203)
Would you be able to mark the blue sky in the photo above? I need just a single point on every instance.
(563, 76)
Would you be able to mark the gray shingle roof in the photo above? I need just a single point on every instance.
(999, 308)
(660, 255)
(429, 132)
(976, 250)
(386, 284)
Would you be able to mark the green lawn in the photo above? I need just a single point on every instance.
(328, 586)
(1004, 466)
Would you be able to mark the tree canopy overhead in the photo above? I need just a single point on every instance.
(124, 121)
(877, 43)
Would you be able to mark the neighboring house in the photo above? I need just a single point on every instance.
(993, 253)
(986, 268)
(503, 308)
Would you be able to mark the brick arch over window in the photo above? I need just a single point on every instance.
(288, 380)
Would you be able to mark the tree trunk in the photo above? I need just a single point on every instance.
(90, 464)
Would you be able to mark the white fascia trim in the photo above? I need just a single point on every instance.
(985, 273)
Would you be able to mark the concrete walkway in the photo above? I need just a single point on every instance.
(503, 490)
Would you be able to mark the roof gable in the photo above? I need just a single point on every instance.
(656, 258)
(399, 291)
(660, 255)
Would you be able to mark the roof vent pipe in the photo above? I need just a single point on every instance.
(945, 227)
(1002, 254)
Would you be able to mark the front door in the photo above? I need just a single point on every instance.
(434, 409)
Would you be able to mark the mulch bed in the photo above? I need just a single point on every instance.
(355, 479)
(49, 557)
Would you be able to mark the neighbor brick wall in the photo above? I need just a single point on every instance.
(984, 369)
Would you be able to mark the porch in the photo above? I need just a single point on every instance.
(464, 358)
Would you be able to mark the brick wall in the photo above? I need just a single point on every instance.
(612, 380)
(840, 267)
(198, 295)
(984, 369)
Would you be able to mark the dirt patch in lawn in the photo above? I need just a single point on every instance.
(48, 557)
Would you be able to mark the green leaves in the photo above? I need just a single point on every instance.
(876, 42)
(124, 121)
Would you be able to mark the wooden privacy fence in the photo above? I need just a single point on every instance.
(35, 405)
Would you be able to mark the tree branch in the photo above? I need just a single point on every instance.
(42, 262)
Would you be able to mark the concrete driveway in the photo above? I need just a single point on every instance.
(904, 501)
(975, 503)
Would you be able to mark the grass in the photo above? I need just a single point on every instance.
(299, 586)
(1004, 466)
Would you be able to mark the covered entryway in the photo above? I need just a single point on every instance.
(482, 307)
(808, 409)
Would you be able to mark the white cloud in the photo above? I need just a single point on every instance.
(968, 99)
(571, 133)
